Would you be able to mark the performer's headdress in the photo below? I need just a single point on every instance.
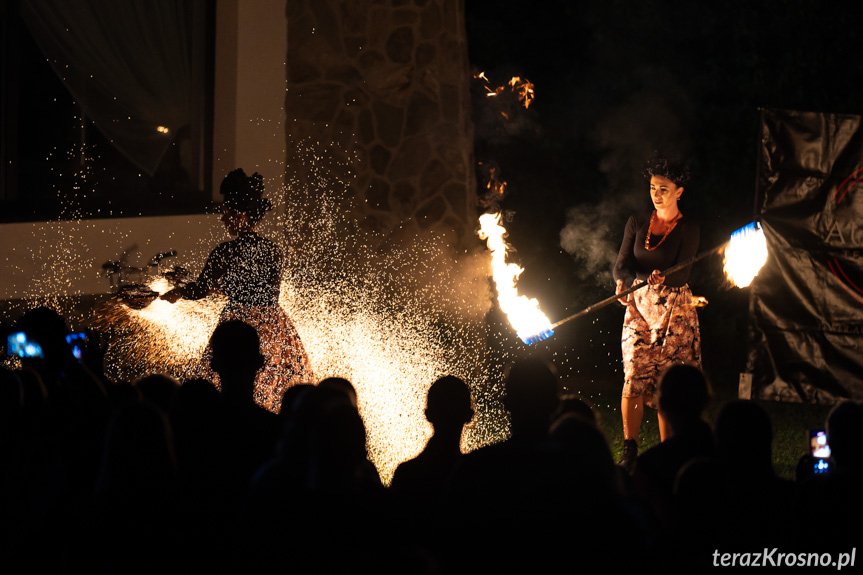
(668, 166)
(245, 194)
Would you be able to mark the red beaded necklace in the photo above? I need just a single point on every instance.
(667, 233)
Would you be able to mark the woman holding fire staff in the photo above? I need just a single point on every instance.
(248, 270)
(660, 326)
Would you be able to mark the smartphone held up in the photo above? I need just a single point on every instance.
(819, 450)
(19, 345)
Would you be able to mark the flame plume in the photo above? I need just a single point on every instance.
(524, 314)
(745, 255)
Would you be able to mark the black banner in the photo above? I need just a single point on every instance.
(806, 305)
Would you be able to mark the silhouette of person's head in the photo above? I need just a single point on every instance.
(845, 435)
(47, 328)
(337, 445)
(159, 389)
(448, 403)
(138, 450)
(532, 396)
(341, 384)
(589, 448)
(744, 437)
(196, 400)
(683, 395)
(236, 357)
(573, 404)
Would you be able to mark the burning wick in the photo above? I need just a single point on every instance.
(524, 314)
(745, 255)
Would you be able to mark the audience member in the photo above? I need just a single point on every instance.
(158, 476)
(828, 501)
(159, 389)
(683, 397)
(525, 496)
(249, 431)
(206, 492)
(733, 498)
(318, 493)
(341, 384)
(421, 480)
(132, 513)
(573, 403)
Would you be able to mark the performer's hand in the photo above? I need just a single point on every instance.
(655, 278)
(620, 287)
(171, 296)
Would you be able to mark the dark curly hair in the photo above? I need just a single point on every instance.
(244, 194)
(670, 167)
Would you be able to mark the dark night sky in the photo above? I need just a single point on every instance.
(616, 79)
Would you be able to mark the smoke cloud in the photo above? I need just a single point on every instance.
(629, 135)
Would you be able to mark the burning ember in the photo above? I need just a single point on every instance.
(524, 314)
(521, 88)
(745, 255)
(495, 188)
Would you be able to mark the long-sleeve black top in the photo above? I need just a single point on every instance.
(634, 261)
(247, 269)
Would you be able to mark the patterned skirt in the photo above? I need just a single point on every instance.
(286, 361)
(659, 329)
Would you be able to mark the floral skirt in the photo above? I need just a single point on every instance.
(286, 361)
(660, 328)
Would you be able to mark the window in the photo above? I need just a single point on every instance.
(56, 162)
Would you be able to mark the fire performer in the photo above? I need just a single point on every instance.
(248, 270)
(660, 326)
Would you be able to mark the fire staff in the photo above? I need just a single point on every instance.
(660, 326)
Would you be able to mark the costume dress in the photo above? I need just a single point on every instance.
(660, 326)
(248, 271)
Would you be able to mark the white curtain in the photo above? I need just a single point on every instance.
(128, 63)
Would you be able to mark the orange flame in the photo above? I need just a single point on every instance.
(523, 89)
(524, 314)
(495, 186)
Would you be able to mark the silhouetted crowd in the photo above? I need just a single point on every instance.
(152, 477)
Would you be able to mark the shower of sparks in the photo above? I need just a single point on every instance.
(524, 314)
(745, 255)
(160, 338)
(391, 321)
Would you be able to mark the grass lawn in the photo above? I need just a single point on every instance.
(791, 421)
(588, 354)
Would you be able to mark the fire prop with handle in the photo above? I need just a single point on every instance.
(140, 294)
(745, 254)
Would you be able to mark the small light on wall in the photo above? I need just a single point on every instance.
(162, 129)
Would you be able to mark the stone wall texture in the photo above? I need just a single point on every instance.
(381, 87)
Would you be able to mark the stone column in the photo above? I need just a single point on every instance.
(381, 88)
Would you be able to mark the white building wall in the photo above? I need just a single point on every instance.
(47, 259)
